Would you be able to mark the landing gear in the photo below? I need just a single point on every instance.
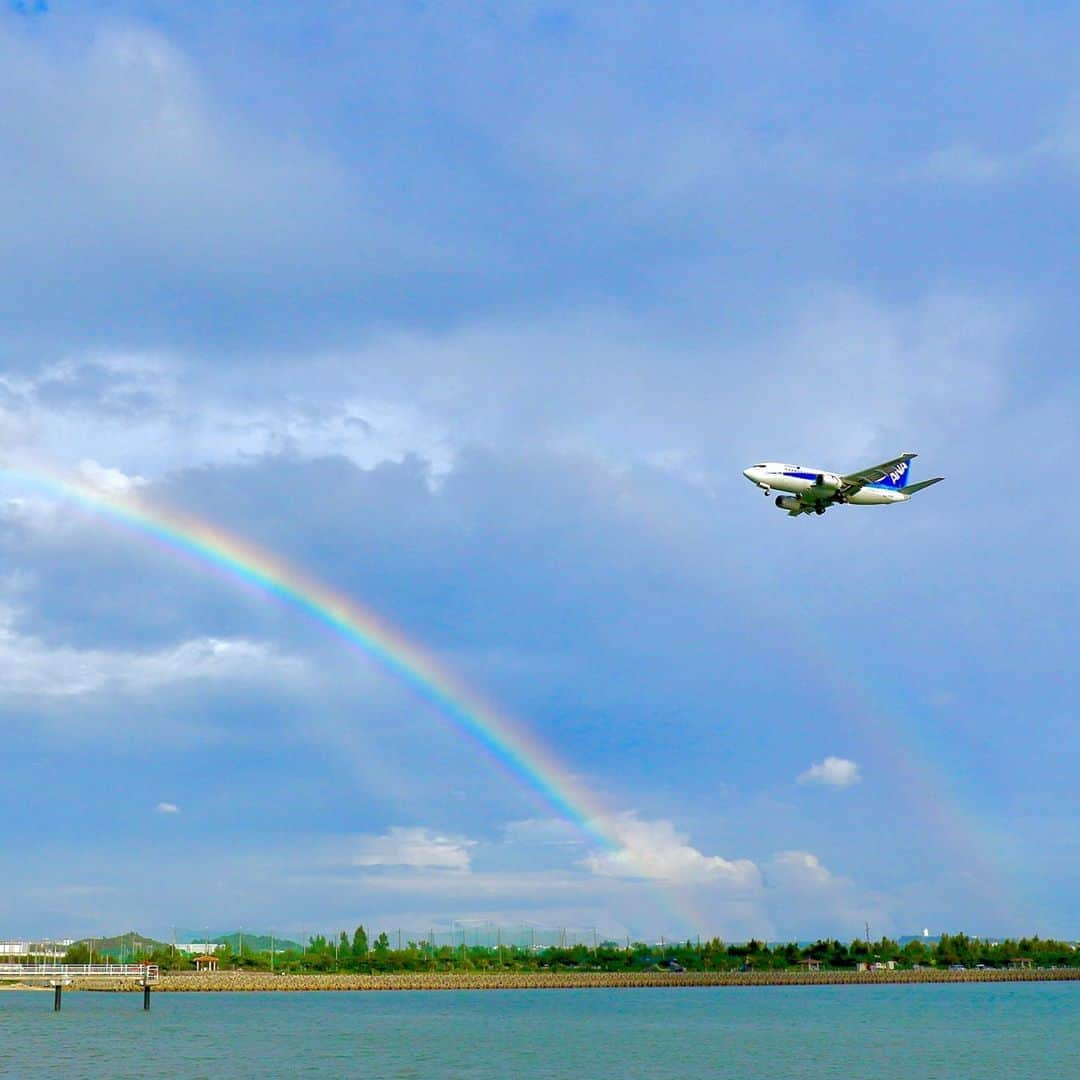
(820, 509)
(767, 493)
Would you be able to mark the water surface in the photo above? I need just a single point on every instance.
(1026, 1031)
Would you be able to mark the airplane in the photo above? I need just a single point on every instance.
(814, 491)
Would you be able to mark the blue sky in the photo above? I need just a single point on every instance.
(477, 312)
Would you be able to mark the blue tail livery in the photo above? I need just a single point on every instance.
(897, 476)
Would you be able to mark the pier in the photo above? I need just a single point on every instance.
(60, 975)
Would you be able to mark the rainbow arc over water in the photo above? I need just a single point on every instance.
(505, 740)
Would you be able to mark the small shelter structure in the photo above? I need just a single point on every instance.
(810, 963)
(1018, 962)
(206, 963)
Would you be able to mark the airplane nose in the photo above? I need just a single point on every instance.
(747, 472)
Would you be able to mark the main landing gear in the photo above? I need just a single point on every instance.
(820, 509)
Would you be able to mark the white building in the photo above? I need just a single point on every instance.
(44, 949)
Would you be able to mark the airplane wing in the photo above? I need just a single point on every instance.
(876, 473)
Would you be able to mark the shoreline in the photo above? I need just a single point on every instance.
(264, 982)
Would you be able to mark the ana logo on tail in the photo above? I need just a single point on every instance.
(897, 475)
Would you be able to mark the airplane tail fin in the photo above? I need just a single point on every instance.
(912, 488)
(898, 477)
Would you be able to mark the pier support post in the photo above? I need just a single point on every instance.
(146, 996)
(58, 991)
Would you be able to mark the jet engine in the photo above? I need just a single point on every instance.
(788, 502)
(828, 482)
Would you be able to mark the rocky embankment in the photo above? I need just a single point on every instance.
(526, 980)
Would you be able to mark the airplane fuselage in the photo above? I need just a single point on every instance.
(802, 480)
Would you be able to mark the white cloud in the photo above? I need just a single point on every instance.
(832, 772)
(798, 870)
(31, 668)
(806, 895)
(962, 163)
(417, 847)
(109, 481)
(418, 393)
(657, 851)
(160, 413)
(166, 808)
(965, 163)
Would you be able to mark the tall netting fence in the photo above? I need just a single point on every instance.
(458, 934)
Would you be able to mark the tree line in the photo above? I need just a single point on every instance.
(361, 954)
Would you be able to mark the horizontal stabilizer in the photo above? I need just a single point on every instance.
(912, 488)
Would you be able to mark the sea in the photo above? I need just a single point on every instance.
(1024, 1031)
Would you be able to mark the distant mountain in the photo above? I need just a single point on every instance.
(256, 942)
(131, 942)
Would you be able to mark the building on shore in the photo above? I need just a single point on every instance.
(41, 949)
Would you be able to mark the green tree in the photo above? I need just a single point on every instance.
(79, 953)
(359, 943)
(914, 952)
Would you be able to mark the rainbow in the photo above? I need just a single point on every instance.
(506, 742)
(896, 734)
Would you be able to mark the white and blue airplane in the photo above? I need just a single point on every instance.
(814, 490)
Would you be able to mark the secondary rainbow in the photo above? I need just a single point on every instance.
(506, 741)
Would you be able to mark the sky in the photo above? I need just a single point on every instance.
(474, 313)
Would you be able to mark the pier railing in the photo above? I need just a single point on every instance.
(146, 973)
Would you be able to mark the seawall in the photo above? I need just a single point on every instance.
(523, 980)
